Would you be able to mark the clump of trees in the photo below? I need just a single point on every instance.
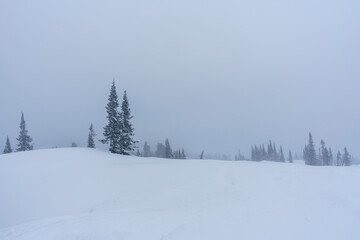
(240, 157)
(260, 153)
(324, 156)
(163, 150)
(24, 139)
(119, 132)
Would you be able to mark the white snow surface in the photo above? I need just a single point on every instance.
(78, 194)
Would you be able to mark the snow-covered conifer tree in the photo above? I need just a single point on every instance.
(310, 152)
(346, 158)
(168, 151)
(92, 134)
(282, 157)
(24, 140)
(127, 141)
(112, 131)
(7, 148)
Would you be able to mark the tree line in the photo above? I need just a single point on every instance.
(324, 157)
(119, 134)
(259, 153)
(163, 150)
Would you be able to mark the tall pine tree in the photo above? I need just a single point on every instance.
(7, 148)
(92, 134)
(127, 141)
(24, 140)
(112, 131)
(168, 151)
(310, 152)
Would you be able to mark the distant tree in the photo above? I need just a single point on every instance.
(270, 152)
(324, 154)
(339, 159)
(281, 158)
(112, 131)
(305, 154)
(138, 153)
(253, 157)
(177, 154)
(258, 153)
(183, 156)
(168, 151)
(346, 157)
(92, 134)
(263, 153)
(310, 153)
(290, 157)
(24, 140)
(275, 156)
(127, 141)
(160, 150)
(146, 150)
(7, 148)
(255, 153)
(202, 155)
(331, 157)
(239, 156)
(73, 144)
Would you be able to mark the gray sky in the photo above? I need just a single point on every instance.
(213, 75)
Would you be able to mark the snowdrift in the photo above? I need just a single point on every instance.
(88, 194)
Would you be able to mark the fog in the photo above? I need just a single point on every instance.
(209, 75)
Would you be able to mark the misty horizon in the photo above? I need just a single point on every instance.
(218, 77)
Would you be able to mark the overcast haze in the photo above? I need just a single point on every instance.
(212, 75)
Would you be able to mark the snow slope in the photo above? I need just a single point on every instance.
(68, 194)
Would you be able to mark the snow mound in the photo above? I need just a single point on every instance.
(88, 194)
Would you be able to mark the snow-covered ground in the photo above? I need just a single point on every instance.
(79, 193)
